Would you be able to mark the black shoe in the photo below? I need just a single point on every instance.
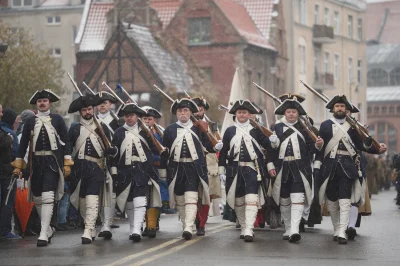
(62, 227)
(158, 225)
(136, 238)
(261, 225)
(285, 238)
(107, 235)
(342, 241)
(294, 238)
(152, 233)
(201, 231)
(187, 235)
(86, 240)
(114, 226)
(351, 233)
(145, 232)
(248, 238)
(197, 224)
(335, 238)
(301, 226)
(41, 243)
(101, 234)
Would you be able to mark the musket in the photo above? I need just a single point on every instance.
(203, 125)
(254, 123)
(356, 125)
(160, 149)
(111, 111)
(303, 120)
(103, 136)
(216, 131)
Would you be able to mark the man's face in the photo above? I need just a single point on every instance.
(183, 114)
(242, 115)
(339, 110)
(149, 120)
(87, 112)
(104, 107)
(131, 119)
(1, 112)
(43, 105)
(291, 115)
(201, 112)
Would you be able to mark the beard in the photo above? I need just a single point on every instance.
(87, 117)
(339, 115)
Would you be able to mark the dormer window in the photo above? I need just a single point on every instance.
(22, 3)
(199, 31)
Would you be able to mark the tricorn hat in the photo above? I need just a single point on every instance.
(46, 93)
(83, 102)
(340, 98)
(184, 102)
(106, 96)
(150, 111)
(290, 104)
(201, 101)
(130, 108)
(245, 105)
(286, 96)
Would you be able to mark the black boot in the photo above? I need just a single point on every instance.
(187, 235)
(351, 233)
(201, 231)
(302, 224)
(342, 241)
(294, 238)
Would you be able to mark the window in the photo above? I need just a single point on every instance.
(208, 73)
(336, 22)
(359, 29)
(359, 73)
(317, 60)
(302, 59)
(384, 109)
(316, 14)
(350, 27)
(336, 67)
(350, 70)
(327, 63)
(376, 110)
(327, 21)
(398, 109)
(391, 110)
(56, 52)
(22, 3)
(301, 4)
(395, 77)
(249, 79)
(369, 110)
(378, 77)
(74, 32)
(54, 20)
(199, 31)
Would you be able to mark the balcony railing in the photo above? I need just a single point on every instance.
(323, 34)
(324, 81)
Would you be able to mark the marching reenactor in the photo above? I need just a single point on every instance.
(89, 171)
(241, 163)
(108, 119)
(292, 188)
(186, 167)
(51, 160)
(338, 167)
(133, 169)
(214, 183)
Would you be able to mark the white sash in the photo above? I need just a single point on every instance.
(340, 133)
(132, 138)
(107, 120)
(85, 132)
(248, 141)
(176, 147)
(51, 132)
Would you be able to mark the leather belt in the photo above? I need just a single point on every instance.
(289, 158)
(343, 152)
(43, 153)
(99, 161)
(185, 160)
(250, 164)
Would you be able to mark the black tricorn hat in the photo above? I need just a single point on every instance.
(150, 111)
(245, 105)
(106, 96)
(46, 93)
(83, 102)
(340, 98)
(286, 96)
(184, 102)
(290, 104)
(201, 101)
(130, 108)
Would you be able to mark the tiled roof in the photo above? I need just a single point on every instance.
(92, 34)
(383, 94)
(239, 16)
(166, 9)
(375, 17)
(171, 68)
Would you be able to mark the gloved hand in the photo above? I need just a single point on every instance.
(222, 177)
(219, 145)
(273, 138)
(20, 183)
(368, 141)
(67, 167)
(18, 165)
(112, 151)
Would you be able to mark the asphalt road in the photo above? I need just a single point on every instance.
(378, 243)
